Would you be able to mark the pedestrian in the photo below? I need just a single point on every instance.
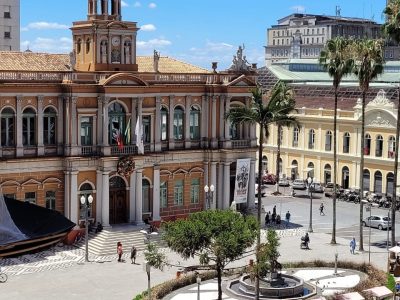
(352, 245)
(287, 218)
(274, 210)
(321, 209)
(119, 251)
(273, 218)
(133, 254)
(267, 216)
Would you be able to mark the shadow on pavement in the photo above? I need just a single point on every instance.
(307, 196)
(283, 226)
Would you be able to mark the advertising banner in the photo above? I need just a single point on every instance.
(242, 180)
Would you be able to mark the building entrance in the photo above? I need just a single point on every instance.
(118, 201)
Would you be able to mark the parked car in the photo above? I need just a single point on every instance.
(269, 179)
(380, 222)
(283, 182)
(263, 190)
(317, 187)
(328, 190)
(299, 184)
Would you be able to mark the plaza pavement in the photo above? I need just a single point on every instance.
(59, 274)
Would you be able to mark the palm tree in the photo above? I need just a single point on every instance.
(391, 29)
(336, 60)
(368, 64)
(278, 109)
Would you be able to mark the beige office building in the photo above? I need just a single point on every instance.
(10, 25)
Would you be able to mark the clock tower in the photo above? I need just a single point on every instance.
(104, 42)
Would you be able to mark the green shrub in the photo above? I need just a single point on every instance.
(391, 282)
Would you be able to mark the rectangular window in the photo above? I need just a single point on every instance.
(146, 129)
(194, 124)
(7, 130)
(7, 32)
(49, 127)
(28, 130)
(164, 124)
(7, 12)
(195, 191)
(86, 131)
(163, 195)
(178, 192)
(51, 200)
(178, 124)
(30, 197)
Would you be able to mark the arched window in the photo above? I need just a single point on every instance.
(295, 142)
(378, 182)
(327, 173)
(29, 127)
(194, 123)
(345, 177)
(87, 45)
(346, 142)
(294, 172)
(366, 180)
(116, 116)
(164, 123)
(85, 190)
(389, 184)
(178, 123)
(367, 144)
(379, 146)
(49, 126)
(7, 128)
(311, 139)
(146, 199)
(391, 147)
(78, 46)
(328, 141)
(310, 170)
(265, 164)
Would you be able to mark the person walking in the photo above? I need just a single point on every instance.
(133, 254)
(287, 218)
(274, 210)
(267, 217)
(119, 251)
(321, 209)
(352, 245)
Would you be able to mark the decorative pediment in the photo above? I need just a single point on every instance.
(121, 79)
(241, 81)
(116, 25)
(10, 183)
(196, 170)
(31, 182)
(380, 101)
(380, 119)
(51, 180)
(180, 171)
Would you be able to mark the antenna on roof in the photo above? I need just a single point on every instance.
(338, 11)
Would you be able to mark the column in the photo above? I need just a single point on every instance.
(227, 185)
(39, 132)
(213, 181)
(67, 194)
(133, 120)
(252, 184)
(205, 166)
(187, 121)
(221, 122)
(156, 193)
(105, 205)
(60, 125)
(100, 117)
(157, 130)
(133, 59)
(139, 200)
(74, 197)
(106, 148)
(171, 123)
(204, 122)
(228, 143)
(139, 113)
(214, 141)
(74, 123)
(246, 126)
(67, 122)
(99, 195)
(20, 146)
(220, 186)
(132, 204)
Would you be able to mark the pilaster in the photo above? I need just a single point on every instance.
(132, 198)
(139, 200)
(204, 122)
(187, 121)
(157, 129)
(213, 181)
(39, 133)
(105, 205)
(228, 143)
(99, 195)
(20, 146)
(227, 189)
(60, 125)
(214, 141)
(171, 122)
(156, 193)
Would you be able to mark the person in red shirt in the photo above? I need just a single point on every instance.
(119, 251)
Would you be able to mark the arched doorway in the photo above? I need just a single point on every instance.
(378, 182)
(310, 168)
(146, 199)
(389, 184)
(294, 172)
(118, 201)
(327, 173)
(366, 180)
(345, 177)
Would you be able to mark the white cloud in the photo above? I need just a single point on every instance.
(298, 8)
(137, 4)
(154, 43)
(124, 4)
(58, 45)
(152, 5)
(148, 27)
(44, 26)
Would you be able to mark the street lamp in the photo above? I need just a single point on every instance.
(310, 191)
(86, 201)
(209, 192)
(369, 208)
(198, 280)
(148, 235)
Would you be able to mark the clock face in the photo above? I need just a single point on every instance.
(115, 41)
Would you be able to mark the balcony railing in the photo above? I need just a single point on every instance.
(124, 150)
(237, 144)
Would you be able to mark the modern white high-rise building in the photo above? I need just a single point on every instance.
(9, 25)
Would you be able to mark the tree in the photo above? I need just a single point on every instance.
(268, 255)
(218, 236)
(391, 29)
(368, 64)
(335, 58)
(276, 110)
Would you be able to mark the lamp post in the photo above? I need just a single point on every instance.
(310, 191)
(147, 267)
(369, 208)
(198, 280)
(209, 192)
(86, 201)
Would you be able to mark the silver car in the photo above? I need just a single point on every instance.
(299, 184)
(317, 187)
(380, 222)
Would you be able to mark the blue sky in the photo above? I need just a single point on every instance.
(196, 31)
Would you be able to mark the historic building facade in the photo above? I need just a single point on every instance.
(142, 135)
(9, 25)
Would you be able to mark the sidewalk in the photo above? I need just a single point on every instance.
(108, 279)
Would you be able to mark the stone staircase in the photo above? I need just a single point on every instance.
(105, 242)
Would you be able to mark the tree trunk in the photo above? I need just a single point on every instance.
(333, 240)
(361, 243)
(278, 156)
(219, 277)
(396, 166)
(260, 149)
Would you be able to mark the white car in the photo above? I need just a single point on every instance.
(317, 187)
(263, 190)
(283, 182)
(299, 184)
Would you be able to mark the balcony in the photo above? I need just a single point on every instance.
(124, 150)
(238, 144)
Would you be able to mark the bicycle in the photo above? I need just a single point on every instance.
(3, 277)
